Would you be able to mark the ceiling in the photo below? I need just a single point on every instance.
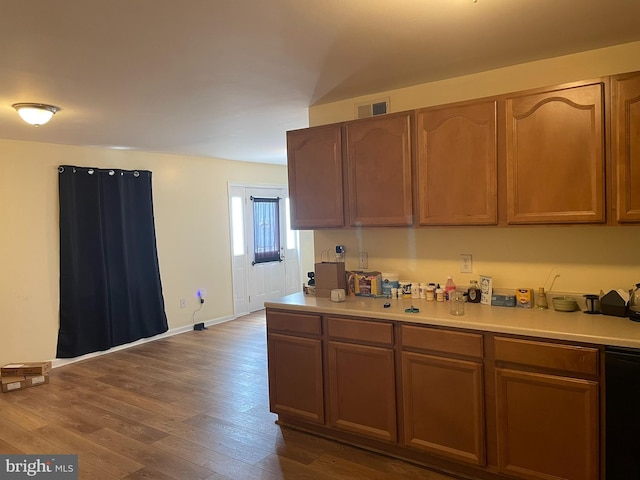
(227, 78)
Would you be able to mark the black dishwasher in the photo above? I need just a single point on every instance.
(622, 413)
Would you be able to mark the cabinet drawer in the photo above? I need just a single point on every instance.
(294, 323)
(568, 358)
(360, 330)
(446, 341)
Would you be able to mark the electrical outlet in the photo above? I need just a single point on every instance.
(183, 303)
(363, 260)
(466, 263)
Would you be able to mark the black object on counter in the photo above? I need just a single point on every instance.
(591, 304)
(613, 304)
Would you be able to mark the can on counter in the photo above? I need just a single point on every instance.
(405, 288)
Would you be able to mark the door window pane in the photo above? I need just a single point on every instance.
(266, 229)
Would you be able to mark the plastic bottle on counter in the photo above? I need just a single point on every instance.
(439, 294)
(449, 288)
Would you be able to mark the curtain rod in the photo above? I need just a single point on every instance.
(92, 170)
(252, 198)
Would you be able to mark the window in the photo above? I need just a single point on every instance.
(266, 229)
(237, 222)
(292, 235)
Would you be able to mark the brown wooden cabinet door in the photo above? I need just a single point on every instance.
(314, 162)
(626, 146)
(547, 426)
(555, 156)
(362, 395)
(379, 171)
(443, 407)
(295, 377)
(457, 165)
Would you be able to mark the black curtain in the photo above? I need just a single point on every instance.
(110, 287)
(266, 230)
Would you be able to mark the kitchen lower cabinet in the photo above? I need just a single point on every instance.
(294, 349)
(361, 378)
(442, 397)
(547, 423)
(555, 156)
(443, 406)
(626, 146)
(478, 404)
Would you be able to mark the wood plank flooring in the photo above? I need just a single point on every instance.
(189, 407)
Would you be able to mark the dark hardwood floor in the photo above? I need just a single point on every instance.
(188, 407)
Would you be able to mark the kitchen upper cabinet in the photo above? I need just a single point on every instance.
(295, 366)
(379, 171)
(457, 165)
(443, 396)
(314, 158)
(626, 147)
(547, 410)
(555, 156)
(361, 378)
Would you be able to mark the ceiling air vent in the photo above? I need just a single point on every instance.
(364, 110)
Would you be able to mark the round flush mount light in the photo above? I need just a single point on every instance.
(35, 113)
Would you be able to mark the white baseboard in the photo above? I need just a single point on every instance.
(59, 362)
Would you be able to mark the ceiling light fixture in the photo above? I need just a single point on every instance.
(35, 113)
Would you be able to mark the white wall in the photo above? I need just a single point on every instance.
(192, 230)
(586, 258)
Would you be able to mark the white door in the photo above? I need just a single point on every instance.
(262, 270)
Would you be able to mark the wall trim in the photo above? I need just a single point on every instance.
(60, 362)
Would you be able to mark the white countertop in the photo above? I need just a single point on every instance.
(573, 326)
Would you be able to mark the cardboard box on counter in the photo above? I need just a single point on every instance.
(524, 297)
(28, 368)
(329, 275)
(368, 284)
(20, 382)
(503, 300)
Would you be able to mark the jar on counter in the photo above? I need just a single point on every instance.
(431, 292)
(475, 293)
